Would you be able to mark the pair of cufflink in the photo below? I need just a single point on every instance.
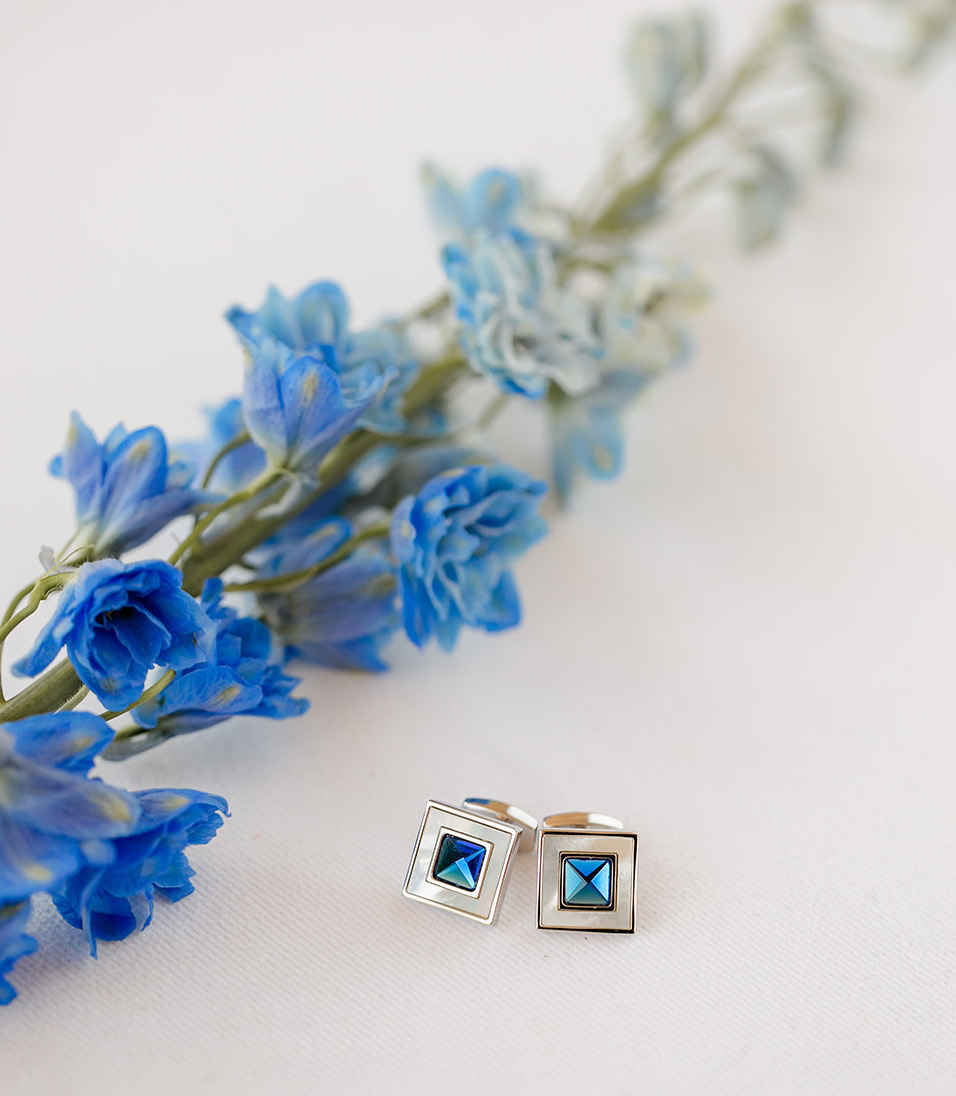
(587, 864)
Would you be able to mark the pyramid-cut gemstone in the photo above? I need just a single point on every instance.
(458, 862)
(587, 881)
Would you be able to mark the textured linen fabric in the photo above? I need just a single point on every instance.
(744, 647)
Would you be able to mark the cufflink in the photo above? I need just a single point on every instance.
(463, 856)
(587, 874)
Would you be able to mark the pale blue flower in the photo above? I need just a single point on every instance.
(491, 201)
(119, 620)
(586, 432)
(455, 541)
(126, 488)
(518, 325)
(642, 319)
(343, 617)
(110, 899)
(316, 324)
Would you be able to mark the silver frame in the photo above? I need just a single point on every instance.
(553, 846)
(500, 838)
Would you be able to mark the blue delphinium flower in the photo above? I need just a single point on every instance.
(642, 321)
(517, 325)
(643, 317)
(109, 900)
(454, 542)
(126, 488)
(343, 617)
(52, 818)
(491, 201)
(14, 943)
(316, 324)
(238, 467)
(297, 406)
(586, 431)
(69, 741)
(241, 678)
(118, 620)
(49, 811)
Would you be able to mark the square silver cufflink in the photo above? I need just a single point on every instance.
(587, 874)
(463, 856)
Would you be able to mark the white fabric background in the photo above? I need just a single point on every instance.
(744, 647)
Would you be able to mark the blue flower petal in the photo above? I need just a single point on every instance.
(66, 740)
(117, 620)
(14, 943)
(454, 542)
(126, 489)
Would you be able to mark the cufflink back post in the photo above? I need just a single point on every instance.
(463, 856)
(587, 873)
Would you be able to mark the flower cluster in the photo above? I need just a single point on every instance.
(345, 499)
(309, 380)
(112, 895)
(68, 834)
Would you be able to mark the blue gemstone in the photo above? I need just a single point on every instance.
(587, 881)
(458, 862)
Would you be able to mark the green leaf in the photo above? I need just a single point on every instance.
(666, 59)
(839, 110)
(764, 198)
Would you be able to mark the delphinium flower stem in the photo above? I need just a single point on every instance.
(14, 605)
(257, 487)
(38, 592)
(47, 693)
(613, 217)
(223, 552)
(433, 307)
(147, 694)
(282, 583)
(230, 447)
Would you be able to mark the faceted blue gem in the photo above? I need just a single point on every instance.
(458, 862)
(587, 881)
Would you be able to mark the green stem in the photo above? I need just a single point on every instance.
(614, 216)
(39, 592)
(58, 686)
(294, 579)
(228, 549)
(230, 447)
(147, 694)
(495, 406)
(129, 731)
(434, 306)
(78, 699)
(263, 481)
(15, 601)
